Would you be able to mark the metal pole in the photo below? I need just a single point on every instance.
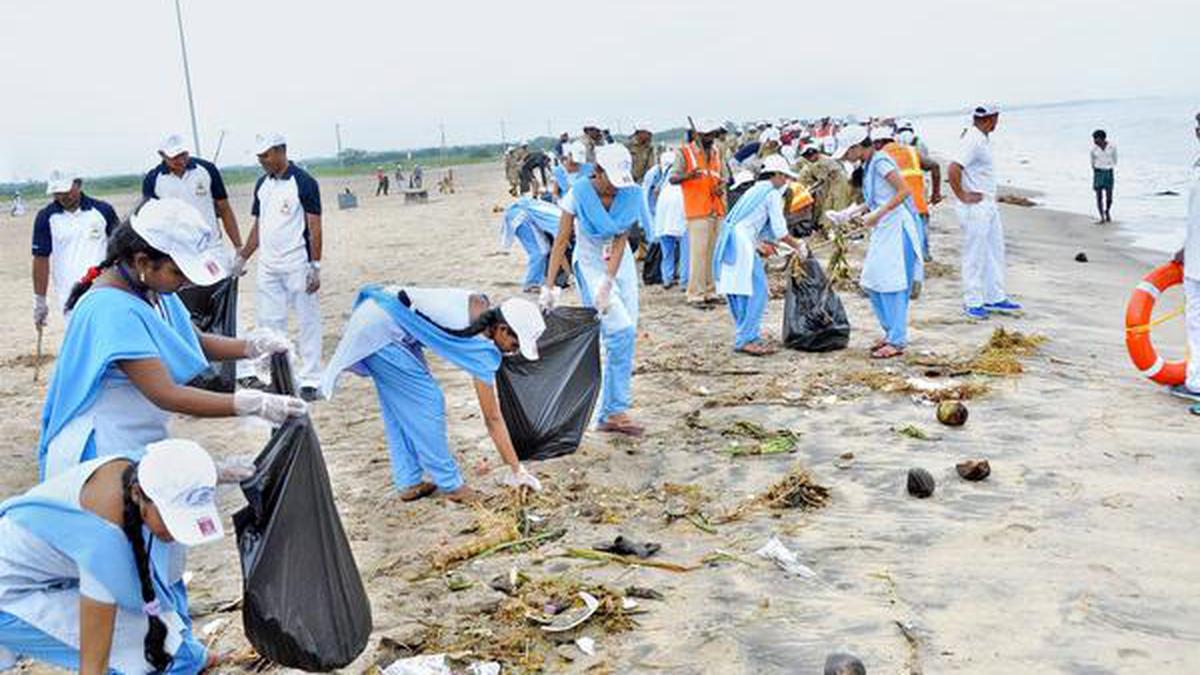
(220, 142)
(187, 77)
(502, 139)
(337, 130)
(442, 128)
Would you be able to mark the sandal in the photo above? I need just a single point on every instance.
(419, 491)
(887, 351)
(755, 349)
(626, 427)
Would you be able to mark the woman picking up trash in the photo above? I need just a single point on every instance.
(385, 339)
(893, 261)
(574, 165)
(130, 348)
(77, 586)
(534, 223)
(600, 211)
(749, 231)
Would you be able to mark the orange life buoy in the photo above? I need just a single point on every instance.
(1138, 321)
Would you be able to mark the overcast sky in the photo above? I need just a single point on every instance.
(95, 84)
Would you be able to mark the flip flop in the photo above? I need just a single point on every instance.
(627, 429)
(887, 352)
(756, 349)
(418, 491)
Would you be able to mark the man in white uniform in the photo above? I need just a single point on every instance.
(287, 227)
(1189, 257)
(69, 235)
(973, 179)
(197, 182)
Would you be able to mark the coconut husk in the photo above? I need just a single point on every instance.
(797, 490)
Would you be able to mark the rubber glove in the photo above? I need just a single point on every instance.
(548, 297)
(271, 407)
(520, 477)
(235, 469)
(603, 295)
(264, 341)
(239, 266)
(40, 310)
(312, 280)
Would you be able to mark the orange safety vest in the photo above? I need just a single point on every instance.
(700, 198)
(799, 197)
(909, 162)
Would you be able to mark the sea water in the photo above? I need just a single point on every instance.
(1047, 148)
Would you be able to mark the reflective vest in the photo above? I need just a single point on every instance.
(700, 198)
(908, 160)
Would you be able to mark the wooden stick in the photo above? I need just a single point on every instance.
(37, 363)
(625, 560)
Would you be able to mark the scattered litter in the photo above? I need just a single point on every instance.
(797, 490)
(952, 413)
(1081, 257)
(586, 645)
(785, 559)
(488, 668)
(974, 469)
(575, 617)
(1001, 355)
(643, 593)
(623, 545)
(920, 483)
(1016, 200)
(425, 664)
(456, 583)
(628, 604)
(844, 461)
(844, 664)
(213, 626)
(914, 431)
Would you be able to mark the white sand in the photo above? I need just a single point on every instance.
(1078, 554)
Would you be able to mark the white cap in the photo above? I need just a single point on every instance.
(172, 146)
(777, 164)
(986, 110)
(769, 135)
(666, 159)
(590, 123)
(577, 151)
(264, 142)
(617, 164)
(60, 181)
(742, 177)
(849, 137)
(641, 126)
(707, 126)
(903, 124)
(181, 479)
(883, 133)
(176, 228)
(525, 319)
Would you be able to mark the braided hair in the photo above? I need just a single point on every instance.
(123, 245)
(131, 524)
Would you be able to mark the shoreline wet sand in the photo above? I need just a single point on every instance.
(1075, 555)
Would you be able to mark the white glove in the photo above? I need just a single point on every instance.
(271, 407)
(40, 310)
(264, 341)
(603, 295)
(522, 478)
(548, 297)
(312, 280)
(235, 469)
(239, 266)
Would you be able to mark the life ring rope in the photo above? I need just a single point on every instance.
(1139, 321)
(1147, 327)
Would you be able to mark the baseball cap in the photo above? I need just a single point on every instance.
(264, 142)
(810, 148)
(641, 126)
(904, 124)
(525, 319)
(181, 479)
(849, 137)
(666, 159)
(777, 164)
(173, 146)
(742, 177)
(707, 126)
(176, 228)
(883, 133)
(986, 110)
(60, 181)
(577, 151)
(617, 164)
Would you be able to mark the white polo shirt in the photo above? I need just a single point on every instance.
(72, 240)
(280, 204)
(975, 156)
(200, 185)
(1191, 247)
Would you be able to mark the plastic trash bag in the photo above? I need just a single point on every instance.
(652, 265)
(214, 310)
(304, 604)
(814, 319)
(547, 404)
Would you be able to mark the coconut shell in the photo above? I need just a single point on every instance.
(952, 413)
(974, 469)
(920, 483)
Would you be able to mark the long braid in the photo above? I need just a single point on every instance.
(156, 637)
(85, 284)
(123, 245)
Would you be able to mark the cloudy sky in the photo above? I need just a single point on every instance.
(95, 85)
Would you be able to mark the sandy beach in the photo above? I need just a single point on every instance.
(1077, 554)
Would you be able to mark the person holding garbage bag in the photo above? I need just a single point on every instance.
(600, 211)
(754, 223)
(385, 338)
(78, 589)
(130, 347)
(893, 259)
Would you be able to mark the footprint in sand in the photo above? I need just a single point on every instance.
(1011, 533)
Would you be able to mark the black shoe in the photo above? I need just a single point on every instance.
(252, 383)
(311, 394)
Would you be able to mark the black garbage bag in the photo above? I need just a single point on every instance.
(304, 604)
(813, 317)
(214, 310)
(548, 403)
(652, 265)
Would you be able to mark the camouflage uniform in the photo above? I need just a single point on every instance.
(643, 156)
(830, 186)
(512, 168)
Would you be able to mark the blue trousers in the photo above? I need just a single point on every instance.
(414, 417)
(616, 395)
(923, 226)
(535, 269)
(748, 310)
(891, 309)
(670, 247)
(684, 261)
(22, 639)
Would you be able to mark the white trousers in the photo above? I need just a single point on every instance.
(982, 253)
(1191, 290)
(279, 292)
